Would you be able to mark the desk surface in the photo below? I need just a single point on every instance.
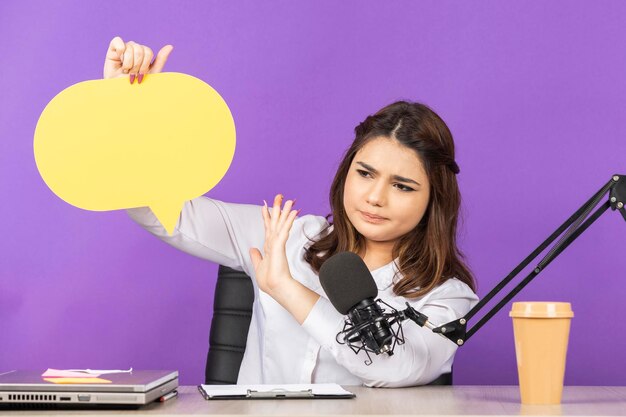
(436, 400)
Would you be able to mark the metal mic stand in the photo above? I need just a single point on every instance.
(456, 330)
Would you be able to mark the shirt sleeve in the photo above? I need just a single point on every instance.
(421, 359)
(210, 229)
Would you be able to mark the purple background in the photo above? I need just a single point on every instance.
(532, 91)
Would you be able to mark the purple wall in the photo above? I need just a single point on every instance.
(533, 93)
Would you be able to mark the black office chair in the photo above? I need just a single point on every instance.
(232, 311)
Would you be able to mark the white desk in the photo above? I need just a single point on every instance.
(439, 401)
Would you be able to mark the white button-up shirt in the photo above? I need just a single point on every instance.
(279, 349)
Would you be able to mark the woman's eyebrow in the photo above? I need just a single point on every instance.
(395, 177)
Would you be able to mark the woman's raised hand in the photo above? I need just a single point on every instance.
(271, 267)
(133, 59)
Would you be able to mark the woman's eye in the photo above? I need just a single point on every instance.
(404, 188)
(401, 187)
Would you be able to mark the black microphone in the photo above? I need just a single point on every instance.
(352, 291)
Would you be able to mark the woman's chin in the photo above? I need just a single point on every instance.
(371, 232)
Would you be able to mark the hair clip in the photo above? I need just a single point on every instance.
(454, 167)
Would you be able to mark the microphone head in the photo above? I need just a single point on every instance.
(347, 281)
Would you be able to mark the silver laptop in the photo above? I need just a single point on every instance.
(133, 388)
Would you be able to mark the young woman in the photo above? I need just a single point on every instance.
(394, 202)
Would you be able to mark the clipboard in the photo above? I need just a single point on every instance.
(274, 392)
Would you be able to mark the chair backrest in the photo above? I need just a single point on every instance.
(232, 311)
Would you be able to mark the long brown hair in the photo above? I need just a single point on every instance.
(428, 255)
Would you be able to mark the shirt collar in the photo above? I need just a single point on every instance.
(383, 276)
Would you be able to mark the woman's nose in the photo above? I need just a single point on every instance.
(376, 194)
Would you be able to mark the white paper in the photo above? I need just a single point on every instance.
(242, 390)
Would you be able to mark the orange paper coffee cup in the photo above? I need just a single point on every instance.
(541, 332)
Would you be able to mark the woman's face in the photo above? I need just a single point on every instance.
(386, 179)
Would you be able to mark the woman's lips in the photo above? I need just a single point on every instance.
(372, 219)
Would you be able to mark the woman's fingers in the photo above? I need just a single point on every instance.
(278, 200)
(145, 64)
(147, 60)
(289, 222)
(256, 257)
(277, 223)
(137, 59)
(266, 218)
(116, 48)
(285, 213)
(278, 217)
(133, 59)
(113, 59)
(128, 58)
(161, 59)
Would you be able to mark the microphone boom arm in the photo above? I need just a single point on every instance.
(456, 331)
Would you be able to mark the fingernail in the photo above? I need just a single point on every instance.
(140, 78)
(294, 202)
(132, 78)
(298, 212)
(265, 203)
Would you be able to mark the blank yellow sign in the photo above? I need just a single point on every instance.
(107, 145)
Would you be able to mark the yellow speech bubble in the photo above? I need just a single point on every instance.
(108, 145)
